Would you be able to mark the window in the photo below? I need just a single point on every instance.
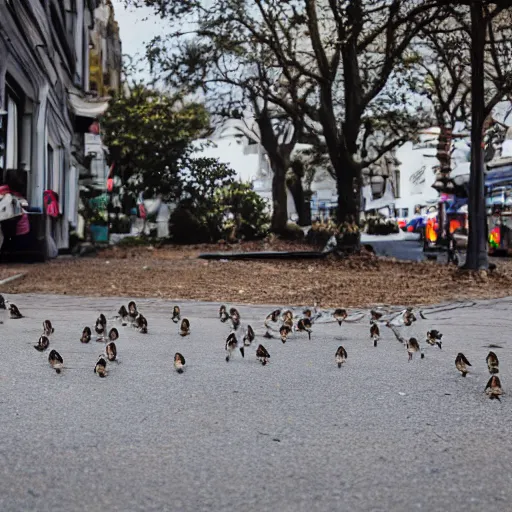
(49, 167)
(397, 183)
(405, 212)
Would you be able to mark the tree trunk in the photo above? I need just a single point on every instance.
(279, 199)
(300, 198)
(477, 257)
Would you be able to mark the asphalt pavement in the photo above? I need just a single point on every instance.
(379, 434)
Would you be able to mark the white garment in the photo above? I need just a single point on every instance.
(9, 207)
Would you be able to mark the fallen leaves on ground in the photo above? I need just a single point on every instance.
(174, 272)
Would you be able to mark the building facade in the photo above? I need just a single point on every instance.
(45, 108)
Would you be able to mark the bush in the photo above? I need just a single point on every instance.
(381, 226)
(187, 228)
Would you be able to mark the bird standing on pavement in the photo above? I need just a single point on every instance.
(101, 327)
(86, 335)
(492, 363)
(304, 325)
(412, 347)
(223, 314)
(56, 361)
(493, 388)
(14, 312)
(409, 317)
(132, 310)
(461, 363)
(340, 356)
(284, 332)
(123, 315)
(249, 336)
(185, 327)
(111, 351)
(100, 368)
(374, 333)
(48, 328)
(42, 344)
(2, 302)
(179, 362)
(113, 334)
(231, 346)
(235, 318)
(434, 338)
(176, 314)
(339, 315)
(262, 355)
(141, 324)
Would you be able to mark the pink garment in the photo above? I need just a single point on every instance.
(23, 226)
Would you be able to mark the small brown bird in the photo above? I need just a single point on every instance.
(339, 315)
(86, 335)
(101, 327)
(56, 361)
(132, 310)
(304, 325)
(374, 333)
(231, 346)
(340, 356)
(123, 315)
(14, 312)
(492, 363)
(113, 334)
(176, 314)
(179, 362)
(101, 366)
(493, 388)
(185, 327)
(288, 316)
(141, 323)
(249, 336)
(235, 318)
(272, 317)
(412, 347)
(223, 314)
(409, 317)
(48, 328)
(2, 302)
(284, 332)
(111, 351)
(461, 363)
(262, 355)
(434, 338)
(42, 344)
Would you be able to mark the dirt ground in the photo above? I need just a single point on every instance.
(174, 272)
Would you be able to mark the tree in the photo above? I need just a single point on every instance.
(332, 66)
(149, 134)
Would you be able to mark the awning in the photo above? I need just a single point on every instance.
(87, 106)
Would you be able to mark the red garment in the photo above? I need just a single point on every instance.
(23, 226)
(51, 203)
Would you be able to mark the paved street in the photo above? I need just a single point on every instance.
(400, 249)
(379, 434)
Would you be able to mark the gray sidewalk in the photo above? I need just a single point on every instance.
(379, 434)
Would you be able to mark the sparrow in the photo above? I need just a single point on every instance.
(235, 318)
(15, 312)
(86, 335)
(493, 388)
(223, 314)
(284, 331)
(47, 328)
(141, 323)
(272, 317)
(2, 302)
(42, 344)
(375, 315)
(461, 363)
(492, 363)
(179, 362)
(101, 327)
(434, 338)
(56, 361)
(111, 351)
(132, 310)
(288, 317)
(304, 324)
(341, 356)
(231, 345)
(123, 315)
(101, 366)
(249, 336)
(409, 317)
(176, 314)
(412, 346)
(113, 334)
(262, 355)
(339, 315)
(374, 333)
(185, 327)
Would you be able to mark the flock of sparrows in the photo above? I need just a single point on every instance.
(278, 321)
